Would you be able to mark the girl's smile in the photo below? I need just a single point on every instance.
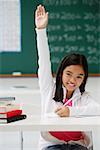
(71, 84)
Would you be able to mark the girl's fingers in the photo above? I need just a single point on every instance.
(36, 13)
(60, 113)
(43, 10)
(58, 109)
(40, 10)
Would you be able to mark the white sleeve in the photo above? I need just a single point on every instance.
(44, 71)
(89, 108)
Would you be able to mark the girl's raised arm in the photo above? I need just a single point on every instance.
(44, 70)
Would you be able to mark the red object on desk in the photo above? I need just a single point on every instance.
(10, 114)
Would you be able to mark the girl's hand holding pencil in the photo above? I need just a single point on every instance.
(62, 111)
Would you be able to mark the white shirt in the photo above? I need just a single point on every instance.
(81, 104)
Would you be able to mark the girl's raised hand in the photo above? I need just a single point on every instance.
(41, 17)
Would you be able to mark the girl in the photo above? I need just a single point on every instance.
(65, 98)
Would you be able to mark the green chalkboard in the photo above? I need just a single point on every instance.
(74, 26)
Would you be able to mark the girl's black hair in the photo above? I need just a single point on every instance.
(71, 59)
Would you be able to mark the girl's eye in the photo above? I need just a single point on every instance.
(68, 74)
(79, 77)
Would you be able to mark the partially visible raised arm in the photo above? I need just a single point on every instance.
(44, 72)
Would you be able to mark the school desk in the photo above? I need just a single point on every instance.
(37, 123)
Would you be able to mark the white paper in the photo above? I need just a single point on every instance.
(51, 115)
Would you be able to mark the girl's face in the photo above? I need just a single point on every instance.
(72, 77)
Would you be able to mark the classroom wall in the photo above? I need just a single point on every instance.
(93, 86)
